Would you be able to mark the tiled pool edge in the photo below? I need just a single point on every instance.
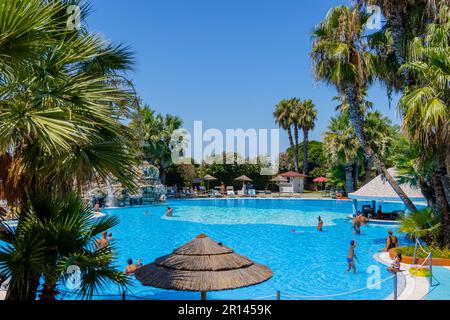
(415, 288)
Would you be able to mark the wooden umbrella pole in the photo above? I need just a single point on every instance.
(203, 294)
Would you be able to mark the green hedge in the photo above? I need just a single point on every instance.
(437, 252)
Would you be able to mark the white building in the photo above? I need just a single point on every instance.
(295, 182)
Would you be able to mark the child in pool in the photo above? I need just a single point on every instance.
(351, 256)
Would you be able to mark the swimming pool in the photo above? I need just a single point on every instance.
(306, 264)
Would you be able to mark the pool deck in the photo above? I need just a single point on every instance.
(410, 288)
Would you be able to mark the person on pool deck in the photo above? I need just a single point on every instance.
(351, 257)
(395, 266)
(222, 188)
(169, 212)
(132, 267)
(391, 241)
(379, 213)
(319, 224)
(102, 242)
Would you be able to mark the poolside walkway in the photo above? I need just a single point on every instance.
(409, 287)
(440, 288)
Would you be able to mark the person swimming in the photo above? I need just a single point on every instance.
(357, 227)
(102, 242)
(169, 212)
(132, 267)
(319, 223)
(351, 257)
(391, 241)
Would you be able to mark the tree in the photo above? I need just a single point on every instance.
(306, 115)
(425, 107)
(55, 233)
(153, 133)
(341, 58)
(285, 118)
(341, 145)
(61, 108)
(405, 18)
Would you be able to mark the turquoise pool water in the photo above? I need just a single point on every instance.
(306, 264)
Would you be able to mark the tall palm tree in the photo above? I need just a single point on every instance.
(341, 58)
(306, 115)
(284, 117)
(60, 234)
(425, 106)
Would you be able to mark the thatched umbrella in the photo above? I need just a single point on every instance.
(278, 180)
(244, 179)
(203, 265)
(209, 178)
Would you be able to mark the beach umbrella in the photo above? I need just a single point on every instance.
(244, 179)
(278, 180)
(209, 178)
(203, 265)
(320, 180)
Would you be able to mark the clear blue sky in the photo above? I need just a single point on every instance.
(225, 62)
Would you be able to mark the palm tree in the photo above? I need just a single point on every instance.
(59, 233)
(380, 135)
(405, 18)
(306, 115)
(425, 106)
(154, 133)
(341, 58)
(421, 225)
(60, 112)
(341, 145)
(284, 117)
(57, 114)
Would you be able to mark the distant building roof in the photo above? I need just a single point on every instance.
(292, 174)
(380, 189)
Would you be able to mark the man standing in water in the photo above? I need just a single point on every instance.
(351, 256)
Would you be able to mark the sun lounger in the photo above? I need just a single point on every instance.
(230, 192)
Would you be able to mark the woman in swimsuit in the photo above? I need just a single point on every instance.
(391, 241)
(395, 266)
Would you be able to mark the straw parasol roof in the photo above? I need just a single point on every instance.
(279, 179)
(379, 189)
(203, 265)
(209, 178)
(293, 174)
(243, 179)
